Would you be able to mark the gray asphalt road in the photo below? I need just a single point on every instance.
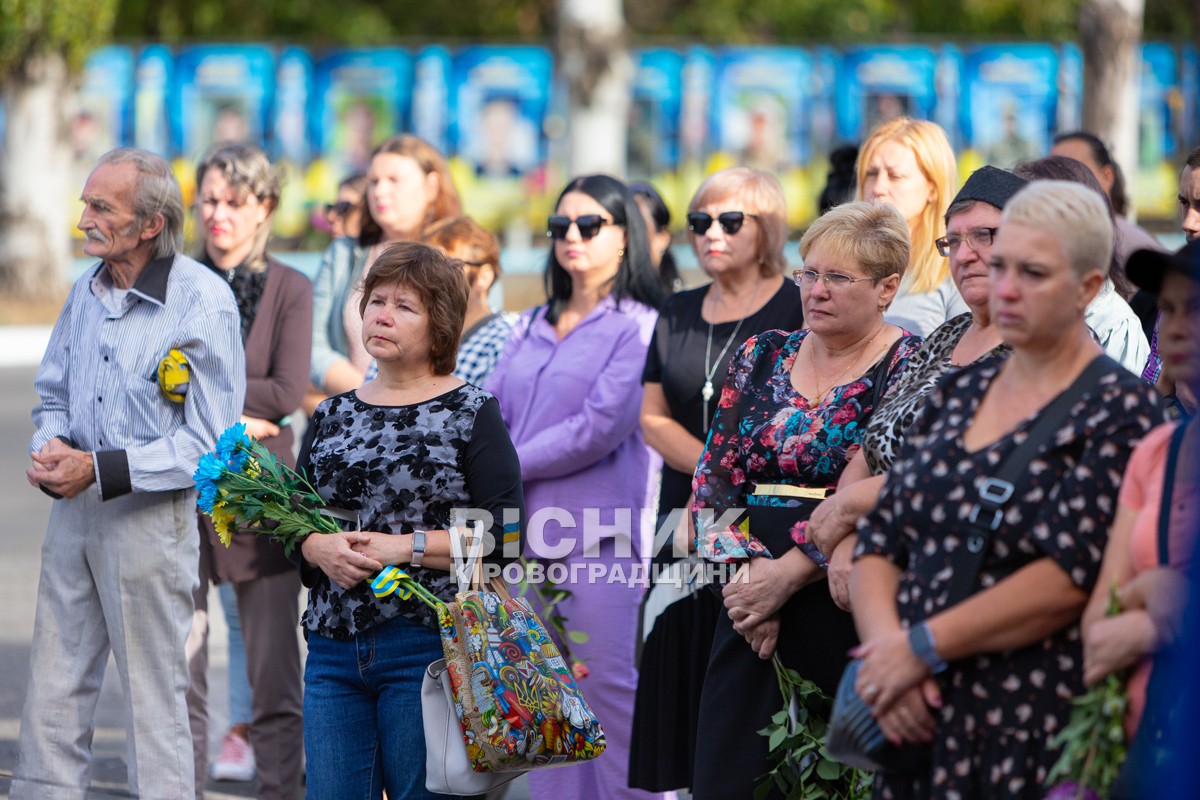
(24, 511)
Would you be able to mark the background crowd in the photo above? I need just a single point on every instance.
(854, 413)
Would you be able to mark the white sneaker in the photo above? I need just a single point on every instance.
(236, 761)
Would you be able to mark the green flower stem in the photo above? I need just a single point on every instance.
(422, 593)
(1090, 753)
(549, 616)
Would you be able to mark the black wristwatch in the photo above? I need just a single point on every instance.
(920, 639)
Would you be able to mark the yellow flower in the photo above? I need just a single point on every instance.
(222, 517)
(253, 468)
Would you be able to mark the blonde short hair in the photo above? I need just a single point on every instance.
(935, 159)
(1074, 214)
(763, 196)
(873, 236)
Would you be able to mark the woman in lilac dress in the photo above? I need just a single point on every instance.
(569, 386)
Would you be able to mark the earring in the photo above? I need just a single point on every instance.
(621, 254)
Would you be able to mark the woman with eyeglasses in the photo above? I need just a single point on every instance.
(237, 192)
(910, 164)
(789, 417)
(738, 225)
(569, 389)
(408, 189)
(972, 222)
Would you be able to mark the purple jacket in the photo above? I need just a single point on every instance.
(572, 408)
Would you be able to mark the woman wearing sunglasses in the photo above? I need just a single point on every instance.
(569, 389)
(910, 164)
(738, 226)
(344, 216)
(790, 416)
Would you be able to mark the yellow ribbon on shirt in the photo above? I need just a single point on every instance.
(173, 376)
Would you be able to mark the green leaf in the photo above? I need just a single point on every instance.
(578, 637)
(829, 770)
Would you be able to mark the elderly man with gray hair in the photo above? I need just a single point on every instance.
(144, 370)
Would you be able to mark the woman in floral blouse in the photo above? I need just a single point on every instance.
(791, 415)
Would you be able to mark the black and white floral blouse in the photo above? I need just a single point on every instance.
(406, 468)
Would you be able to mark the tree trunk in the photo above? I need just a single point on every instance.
(1110, 33)
(593, 60)
(34, 168)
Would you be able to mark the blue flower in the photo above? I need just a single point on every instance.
(208, 496)
(231, 446)
(208, 471)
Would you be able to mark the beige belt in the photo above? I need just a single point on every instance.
(784, 490)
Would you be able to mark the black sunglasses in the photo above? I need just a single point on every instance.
(340, 208)
(730, 221)
(589, 225)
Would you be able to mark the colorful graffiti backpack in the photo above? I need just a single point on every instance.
(503, 701)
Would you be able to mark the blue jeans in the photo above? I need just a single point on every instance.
(362, 713)
(240, 709)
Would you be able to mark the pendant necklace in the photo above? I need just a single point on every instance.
(710, 368)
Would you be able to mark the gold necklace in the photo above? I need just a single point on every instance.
(812, 360)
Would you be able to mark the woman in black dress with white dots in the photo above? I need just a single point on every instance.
(986, 683)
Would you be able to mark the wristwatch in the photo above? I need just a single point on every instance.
(920, 639)
(418, 548)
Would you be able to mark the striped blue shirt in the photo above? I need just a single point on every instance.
(98, 380)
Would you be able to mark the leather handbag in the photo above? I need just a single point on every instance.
(855, 737)
(503, 700)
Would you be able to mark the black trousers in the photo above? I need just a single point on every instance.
(741, 692)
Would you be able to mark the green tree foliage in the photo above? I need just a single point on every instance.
(377, 22)
(32, 29)
(344, 22)
(848, 21)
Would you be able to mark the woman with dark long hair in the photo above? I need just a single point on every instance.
(658, 230)
(569, 386)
